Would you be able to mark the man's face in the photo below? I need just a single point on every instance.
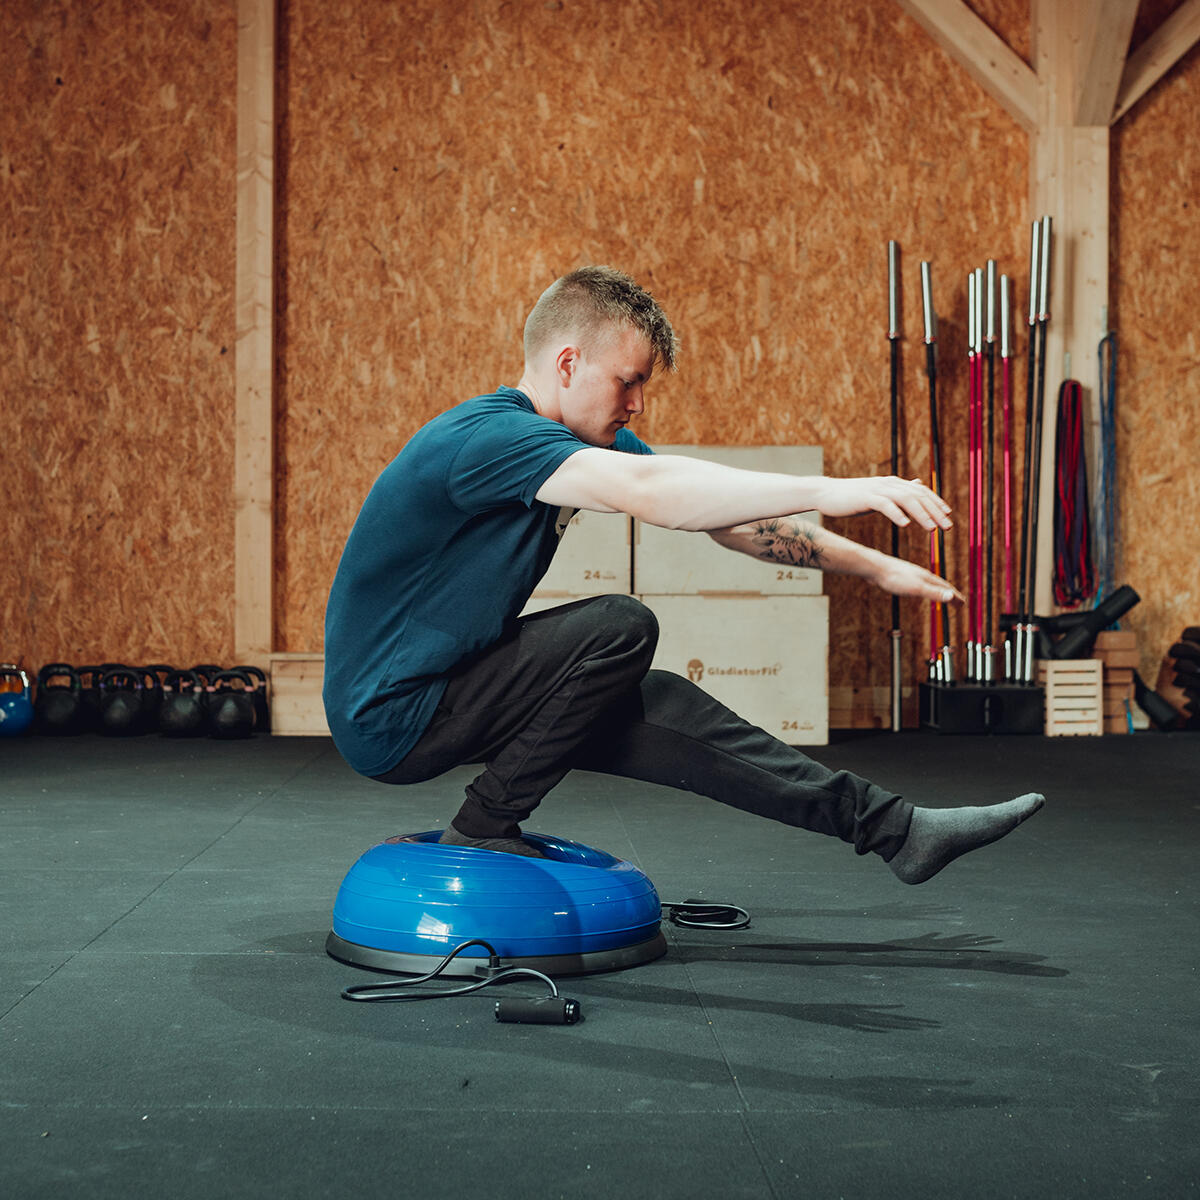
(605, 389)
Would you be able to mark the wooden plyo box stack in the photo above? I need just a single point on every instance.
(1074, 696)
(753, 634)
(1117, 651)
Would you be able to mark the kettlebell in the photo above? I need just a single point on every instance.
(154, 675)
(122, 702)
(230, 708)
(184, 709)
(16, 708)
(92, 698)
(258, 693)
(57, 707)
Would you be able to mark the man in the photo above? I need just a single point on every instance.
(428, 665)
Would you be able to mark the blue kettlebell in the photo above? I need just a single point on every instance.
(16, 708)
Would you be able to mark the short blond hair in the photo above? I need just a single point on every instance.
(588, 302)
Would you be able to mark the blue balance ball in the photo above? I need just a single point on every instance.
(409, 901)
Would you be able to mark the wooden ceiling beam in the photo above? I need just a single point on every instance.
(1104, 29)
(1157, 55)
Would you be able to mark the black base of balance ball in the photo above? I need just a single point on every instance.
(974, 708)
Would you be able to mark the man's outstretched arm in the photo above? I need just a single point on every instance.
(794, 542)
(677, 492)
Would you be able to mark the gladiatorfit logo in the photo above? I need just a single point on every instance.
(697, 670)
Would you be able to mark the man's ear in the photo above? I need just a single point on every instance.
(566, 364)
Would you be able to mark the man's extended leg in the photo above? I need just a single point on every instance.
(675, 734)
(569, 688)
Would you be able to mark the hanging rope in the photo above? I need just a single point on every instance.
(1074, 580)
(1105, 523)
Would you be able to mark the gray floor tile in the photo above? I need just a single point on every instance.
(269, 1028)
(531, 1151)
(1013, 1150)
(50, 909)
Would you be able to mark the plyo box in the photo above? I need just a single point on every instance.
(593, 557)
(765, 657)
(672, 562)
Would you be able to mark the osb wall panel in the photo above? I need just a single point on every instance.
(1155, 294)
(117, 164)
(748, 161)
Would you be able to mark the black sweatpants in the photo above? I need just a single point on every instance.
(571, 687)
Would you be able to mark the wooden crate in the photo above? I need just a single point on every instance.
(1117, 648)
(1074, 697)
(1127, 659)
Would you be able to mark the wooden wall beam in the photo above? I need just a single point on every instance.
(254, 471)
(986, 57)
(1069, 180)
(1104, 28)
(1157, 55)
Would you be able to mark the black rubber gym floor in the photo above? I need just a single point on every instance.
(1024, 1025)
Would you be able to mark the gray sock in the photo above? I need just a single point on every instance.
(937, 836)
(451, 837)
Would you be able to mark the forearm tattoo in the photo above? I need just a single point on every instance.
(788, 542)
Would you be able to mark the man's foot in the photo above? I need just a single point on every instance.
(451, 837)
(937, 836)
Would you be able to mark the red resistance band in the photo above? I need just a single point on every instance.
(1074, 579)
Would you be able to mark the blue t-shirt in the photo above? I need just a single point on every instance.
(446, 551)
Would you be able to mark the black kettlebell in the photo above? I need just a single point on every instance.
(58, 707)
(122, 702)
(93, 697)
(184, 709)
(154, 675)
(258, 693)
(230, 708)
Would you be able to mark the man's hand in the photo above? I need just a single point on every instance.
(902, 578)
(900, 500)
